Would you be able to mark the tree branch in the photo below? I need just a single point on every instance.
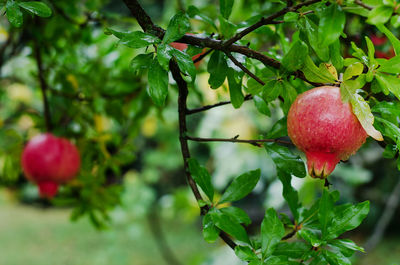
(207, 107)
(360, 3)
(182, 108)
(43, 87)
(147, 25)
(235, 140)
(265, 21)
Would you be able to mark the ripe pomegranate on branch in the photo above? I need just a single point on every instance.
(324, 127)
(50, 161)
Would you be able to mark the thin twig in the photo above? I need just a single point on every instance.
(387, 215)
(244, 69)
(201, 57)
(207, 107)
(235, 140)
(265, 21)
(153, 220)
(360, 3)
(43, 87)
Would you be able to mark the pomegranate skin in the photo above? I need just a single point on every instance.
(49, 161)
(324, 128)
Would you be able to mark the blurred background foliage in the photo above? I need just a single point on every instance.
(131, 172)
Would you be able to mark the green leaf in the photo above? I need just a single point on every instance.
(360, 54)
(241, 186)
(335, 55)
(14, 14)
(230, 226)
(237, 214)
(310, 236)
(272, 231)
(335, 258)
(291, 17)
(271, 90)
(354, 69)
(331, 24)
(289, 95)
(141, 62)
(256, 262)
(308, 27)
(392, 38)
(395, 21)
(217, 67)
(296, 56)
(38, 8)
(158, 83)
(371, 50)
(178, 26)
(227, 28)
(164, 55)
(195, 13)
(315, 74)
(235, 89)
(245, 253)
(201, 177)
(138, 39)
(391, 66)
(225, 7)
(185, 63)
(347, 217)
(387, 108)
(379, 15)
(390, 82)
(346, 244)
(285, 160)
(390, 151)
(325, 212)
(261, 105)
(289, 193)
(293, 250)
(210, 231)
(273, 260)
(391, 130)
(278, 130)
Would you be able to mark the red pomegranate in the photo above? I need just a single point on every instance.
(324, 128)
(49, 161)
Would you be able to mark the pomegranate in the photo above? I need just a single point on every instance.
(324, 127)
(50, 161)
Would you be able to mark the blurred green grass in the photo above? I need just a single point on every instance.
(33, 236)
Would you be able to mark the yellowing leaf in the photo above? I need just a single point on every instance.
(360, 108)
(331, 69)
(363, 112)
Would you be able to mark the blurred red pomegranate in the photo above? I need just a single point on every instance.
(50, 161)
